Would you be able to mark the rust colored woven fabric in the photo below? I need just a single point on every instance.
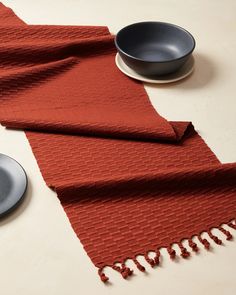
(130, 181)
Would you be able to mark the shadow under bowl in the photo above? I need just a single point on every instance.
(154, 48)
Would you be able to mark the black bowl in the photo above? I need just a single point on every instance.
(154, 48)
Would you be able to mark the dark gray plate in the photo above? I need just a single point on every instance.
(13, 184)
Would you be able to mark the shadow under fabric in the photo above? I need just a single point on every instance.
(130, 181)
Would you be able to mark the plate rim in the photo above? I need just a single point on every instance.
(12, 208)
(152, 81)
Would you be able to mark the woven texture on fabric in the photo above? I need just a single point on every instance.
(130, 181)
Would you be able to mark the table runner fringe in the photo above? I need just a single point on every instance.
(214, 238)
(226, 232)
(125, 271)
(205, 242)
(193, 245)
(184, 252)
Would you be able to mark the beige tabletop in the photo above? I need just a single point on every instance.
(40, 254)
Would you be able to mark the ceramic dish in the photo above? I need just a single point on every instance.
(154, 48)
(13, 184)
(182, 73)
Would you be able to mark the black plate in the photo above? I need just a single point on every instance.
(154, 48)
(13, 184)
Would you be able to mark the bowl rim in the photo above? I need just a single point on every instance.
(153, 61)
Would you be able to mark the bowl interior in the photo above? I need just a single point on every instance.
(155, 41)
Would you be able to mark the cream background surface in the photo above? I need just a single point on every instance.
(40, 253)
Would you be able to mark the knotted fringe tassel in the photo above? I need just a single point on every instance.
(103, 277)
(139, 266)
(171, 252)
(205, 243)
(184, 251)
(123, 270)
(226, 232)
(231, 224)
(153, 261)
(126, 270)
(193, 245)
(214, 238)
(157, 257)
(149, 260)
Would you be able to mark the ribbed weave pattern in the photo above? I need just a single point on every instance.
(129, 180)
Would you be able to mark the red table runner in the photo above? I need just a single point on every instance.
(130, 181)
